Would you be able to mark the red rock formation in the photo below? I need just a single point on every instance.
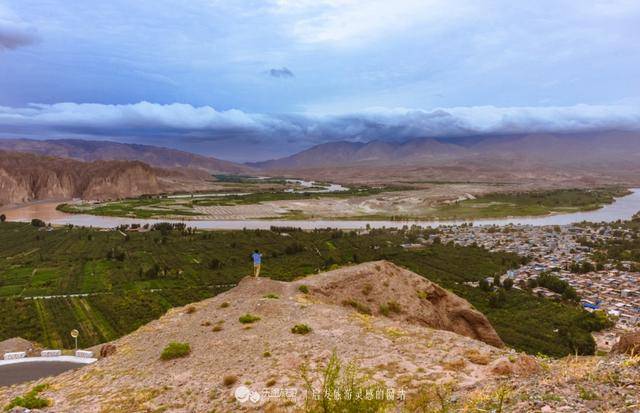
(26, 177)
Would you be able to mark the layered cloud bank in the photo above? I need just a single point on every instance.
(183, 124)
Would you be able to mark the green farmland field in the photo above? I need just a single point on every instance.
(135, 278)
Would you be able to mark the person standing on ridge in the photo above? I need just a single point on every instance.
(257, 260)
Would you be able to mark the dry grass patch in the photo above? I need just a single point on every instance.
(229, 380)
(454, 364)
(476, 357)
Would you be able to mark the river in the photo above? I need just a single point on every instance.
(621, 209)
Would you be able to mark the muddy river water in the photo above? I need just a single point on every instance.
(622, 209)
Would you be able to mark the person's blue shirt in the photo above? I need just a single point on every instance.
(257, 258)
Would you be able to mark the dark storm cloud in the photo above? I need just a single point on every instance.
(180, 123)
(281, 73)
(14, 35)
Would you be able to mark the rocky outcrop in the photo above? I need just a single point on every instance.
(25, 177)
(628, 343)
(107, 350)
(382, 288)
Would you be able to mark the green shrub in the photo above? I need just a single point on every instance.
(224, 305)
(507, 284)
(303, 289)
(30, 400)
(175, 350)
(248, 318)
(301, 329)
(390, 307)
(338, 384)
(38, 223)
(361, 308)
(586, 394)
(272, 296)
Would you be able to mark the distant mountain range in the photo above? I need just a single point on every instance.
(89, 151)
(550, 149)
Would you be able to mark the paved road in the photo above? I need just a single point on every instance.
(21, 372)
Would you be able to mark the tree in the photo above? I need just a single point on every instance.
(496, 281)
(484, 285)
(38, 223)
(215, 264)
(3, 218)
(497, 298)
(507, 284)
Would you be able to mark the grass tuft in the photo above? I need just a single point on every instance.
(248, 318)
(175, 350)
(301, 329)
(31, 399)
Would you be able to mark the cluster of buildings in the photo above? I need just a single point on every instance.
(554, 249)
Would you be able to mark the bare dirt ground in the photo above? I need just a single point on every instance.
(398, 351)
(419, 202)
(435, 370)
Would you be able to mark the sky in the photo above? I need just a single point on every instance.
(252, 80)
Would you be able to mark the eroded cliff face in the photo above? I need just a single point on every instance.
(26, 177)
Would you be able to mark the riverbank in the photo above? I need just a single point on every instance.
(622, 208)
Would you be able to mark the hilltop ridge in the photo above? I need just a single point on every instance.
(399, 349)
(273, 337)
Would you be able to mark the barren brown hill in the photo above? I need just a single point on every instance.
(26, 177)
(382, 288)
(248, 337)
(604, 156)
(396, 351)
(89, 151)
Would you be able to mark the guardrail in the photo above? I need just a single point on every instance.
(67, 359)
(84, 354)
(15, 355)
